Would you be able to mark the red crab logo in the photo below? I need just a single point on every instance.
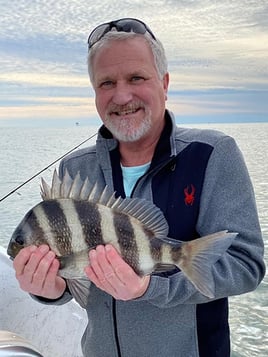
(189, 195)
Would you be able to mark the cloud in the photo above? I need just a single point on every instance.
(44, 79)
(210, 46)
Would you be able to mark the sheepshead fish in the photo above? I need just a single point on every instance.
(76, 216)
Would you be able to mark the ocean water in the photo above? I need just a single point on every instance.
(26, 151)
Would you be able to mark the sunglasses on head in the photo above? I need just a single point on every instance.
(121, 25)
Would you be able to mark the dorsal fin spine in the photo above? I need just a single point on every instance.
(45, 190)
(66, 185)
(84, 193)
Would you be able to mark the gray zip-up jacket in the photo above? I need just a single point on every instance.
(200, 181)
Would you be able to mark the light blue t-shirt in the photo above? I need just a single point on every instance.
(131, 174)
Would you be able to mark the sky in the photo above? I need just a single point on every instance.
(217, 53)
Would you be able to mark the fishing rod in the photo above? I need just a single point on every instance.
(45, 168)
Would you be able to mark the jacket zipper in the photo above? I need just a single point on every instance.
(116, 330)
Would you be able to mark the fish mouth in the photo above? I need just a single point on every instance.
(13, 249)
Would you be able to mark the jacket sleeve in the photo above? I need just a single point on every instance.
(66, 297)
(227, 202)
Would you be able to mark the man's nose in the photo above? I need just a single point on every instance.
(122, 93)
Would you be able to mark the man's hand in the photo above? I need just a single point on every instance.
(109, 272)
(37, 272)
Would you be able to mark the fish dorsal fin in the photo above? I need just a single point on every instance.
(144, 211)
(77, 189)
(56, 185)
(45, 190)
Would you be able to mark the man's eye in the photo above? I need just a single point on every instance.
(106, 84)
(137, 79)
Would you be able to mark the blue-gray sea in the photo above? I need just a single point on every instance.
(25, 151)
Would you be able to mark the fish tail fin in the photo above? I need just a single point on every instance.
(197, 257)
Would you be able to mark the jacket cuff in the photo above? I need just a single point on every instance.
(66, 297)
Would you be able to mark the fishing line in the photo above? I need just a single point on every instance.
(45, 168)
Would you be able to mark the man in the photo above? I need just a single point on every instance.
(199, 180)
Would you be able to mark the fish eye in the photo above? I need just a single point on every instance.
(19, 239)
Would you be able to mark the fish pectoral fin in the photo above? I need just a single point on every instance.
(162, 268)
(79, 288)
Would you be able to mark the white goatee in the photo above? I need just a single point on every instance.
(129, 129)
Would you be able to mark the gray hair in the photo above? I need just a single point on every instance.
(155, 45)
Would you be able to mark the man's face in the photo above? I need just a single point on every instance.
(130, 97)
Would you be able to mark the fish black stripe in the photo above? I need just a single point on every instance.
(176, 253)
(90, 220)
(126, 240)
(59, 226)
(32, 220)
(155, 246)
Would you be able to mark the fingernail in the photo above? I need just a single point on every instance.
(99, 248)
(108, 248)
(51, 255)
(43, 249)
(92, 253)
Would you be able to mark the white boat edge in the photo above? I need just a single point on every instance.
(53, 330)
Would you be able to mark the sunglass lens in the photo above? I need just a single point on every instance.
(124, 25)
(130, 25)
(97, 34)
